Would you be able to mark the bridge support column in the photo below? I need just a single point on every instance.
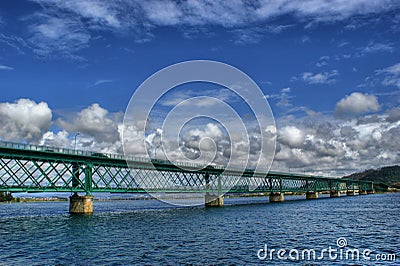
(334, 193)
(362, 192)
(350, 193)
(213, 200)
(80, 204)
(276, 197)
(311, 195)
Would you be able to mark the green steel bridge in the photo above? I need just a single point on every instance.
(34, 168)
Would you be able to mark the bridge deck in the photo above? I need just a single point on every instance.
(34, 168)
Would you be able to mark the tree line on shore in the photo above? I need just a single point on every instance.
(389, 175)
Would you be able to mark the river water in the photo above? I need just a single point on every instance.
(244, 232)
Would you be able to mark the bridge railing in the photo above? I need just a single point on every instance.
(51, 149)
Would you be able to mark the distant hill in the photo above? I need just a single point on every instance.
(389, 175)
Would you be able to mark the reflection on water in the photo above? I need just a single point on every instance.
(152, 232)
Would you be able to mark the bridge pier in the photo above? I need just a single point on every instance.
(334, 193)
(214, 200)
(80, 204)
(276, 197)
(351, 193)
(311, 195)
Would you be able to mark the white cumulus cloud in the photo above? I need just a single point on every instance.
(59, 139)
(24, 120)
(291, 136)
(96, 122)
(355, 104)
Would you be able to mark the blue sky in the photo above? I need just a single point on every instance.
(329, 69)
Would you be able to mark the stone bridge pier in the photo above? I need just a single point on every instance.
(80, 204)
(214, 200)
(276, 197)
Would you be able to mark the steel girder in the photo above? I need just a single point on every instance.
(41, 169)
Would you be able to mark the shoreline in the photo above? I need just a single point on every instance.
(248, 195)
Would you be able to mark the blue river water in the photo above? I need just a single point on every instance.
(244, 232)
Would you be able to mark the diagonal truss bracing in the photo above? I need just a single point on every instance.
(43, 169)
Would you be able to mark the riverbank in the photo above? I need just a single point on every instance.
(149, 197)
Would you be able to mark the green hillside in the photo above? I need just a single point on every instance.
(389, 175)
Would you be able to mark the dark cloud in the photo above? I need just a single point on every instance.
(393, 115)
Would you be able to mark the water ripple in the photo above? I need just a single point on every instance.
(152, 233)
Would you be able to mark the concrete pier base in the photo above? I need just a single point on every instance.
(80, 204)
(276, 197)
(334, 194)
(213, 200)
(350, 193)
(362, 192)
(311, 195)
